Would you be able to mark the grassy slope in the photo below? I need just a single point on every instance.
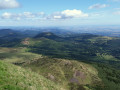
(58, 70)
(103, 39)
(17, 55)
(66, 71)
(62, 70)
(16, 78)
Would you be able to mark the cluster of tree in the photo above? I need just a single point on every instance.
(110, 77)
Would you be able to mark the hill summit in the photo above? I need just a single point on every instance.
(48, 35)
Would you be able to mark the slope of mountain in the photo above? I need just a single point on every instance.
(10, 38)
(16, 78)
(67, 73)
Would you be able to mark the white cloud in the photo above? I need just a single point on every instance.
(98, 6)
(6, 15)
(68, 14)
(8, 4)
(74, 13)
(24, 15)
(57, 17)
(28, 15)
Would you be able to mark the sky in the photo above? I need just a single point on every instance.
(59, 12)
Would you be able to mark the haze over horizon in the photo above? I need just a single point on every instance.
(59, 12)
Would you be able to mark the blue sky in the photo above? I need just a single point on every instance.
(59, 12)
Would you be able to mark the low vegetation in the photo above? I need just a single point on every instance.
(16, 78)
(66, 72)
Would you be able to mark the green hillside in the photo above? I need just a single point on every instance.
(17, 55)
(66, 72)
(16, 78)
(86, 47)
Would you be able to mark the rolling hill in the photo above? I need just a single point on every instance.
(80, 47)
(74, 62)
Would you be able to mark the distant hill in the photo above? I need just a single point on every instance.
(79, 46)
(10, 38)
(8, 34)
(47, 35)
(5, 32)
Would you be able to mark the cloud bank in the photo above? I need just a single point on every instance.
(24, 15)
(8, 4)
(66, 14)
